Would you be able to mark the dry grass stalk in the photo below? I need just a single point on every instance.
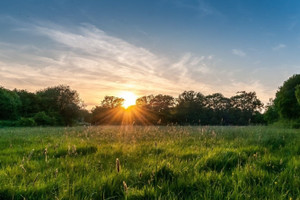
(22, 166)
(30, 154)
(36, 178)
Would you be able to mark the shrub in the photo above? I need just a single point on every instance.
(26, 122)
(7, 123)
(41, 118)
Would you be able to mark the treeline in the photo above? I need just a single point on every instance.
(61, 106)
(190, 108)
(194, 108)
(284, 110)
(53, 106)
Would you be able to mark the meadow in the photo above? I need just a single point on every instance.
(150, 162)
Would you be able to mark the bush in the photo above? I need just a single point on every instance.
(295, 124)
(7, 123)
(26, 122)
(41, 118)
(288, 123)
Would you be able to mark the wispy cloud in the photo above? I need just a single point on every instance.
(87, 57)
(238, 52)
(278, 47)
(98, 64)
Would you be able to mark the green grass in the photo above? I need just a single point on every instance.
(156, 163)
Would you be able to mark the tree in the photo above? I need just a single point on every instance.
(217, 109)
(112, 102)
(246, 101)
(109, 111)
(271, 114)
(61, 102)
(297, 93)
(286, 98)
(29, 101)
(162, 103)
(190, 108)
(145, 101)
(10, 104)
(245, 105)
(217, 101)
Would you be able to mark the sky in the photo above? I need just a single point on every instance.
(105, 47)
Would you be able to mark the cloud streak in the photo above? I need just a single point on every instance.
(238, 52)
(278, 47)
(97, 64)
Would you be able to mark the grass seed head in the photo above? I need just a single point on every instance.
(118, 165)
(56, 172)
(125, 186)
(45, 153)
(69, 149)
(74, 149)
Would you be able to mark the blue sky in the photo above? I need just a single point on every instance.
(148, 47)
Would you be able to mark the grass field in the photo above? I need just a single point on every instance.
(154, 163)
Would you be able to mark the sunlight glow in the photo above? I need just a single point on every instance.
(129, 99)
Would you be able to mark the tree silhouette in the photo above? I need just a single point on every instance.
(286, 101)
(61, 102)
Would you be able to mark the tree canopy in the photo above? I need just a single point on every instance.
(10, 104)
(61, 101)
(286, 98)
(190, 107)
(59, 105)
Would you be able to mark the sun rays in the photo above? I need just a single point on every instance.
(125, 113)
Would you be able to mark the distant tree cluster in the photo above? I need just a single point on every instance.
(285, 108)
(190, 108)
(51, 106)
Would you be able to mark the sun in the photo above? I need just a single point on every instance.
(129, 99)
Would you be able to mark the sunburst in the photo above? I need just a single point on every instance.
(129, 99)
